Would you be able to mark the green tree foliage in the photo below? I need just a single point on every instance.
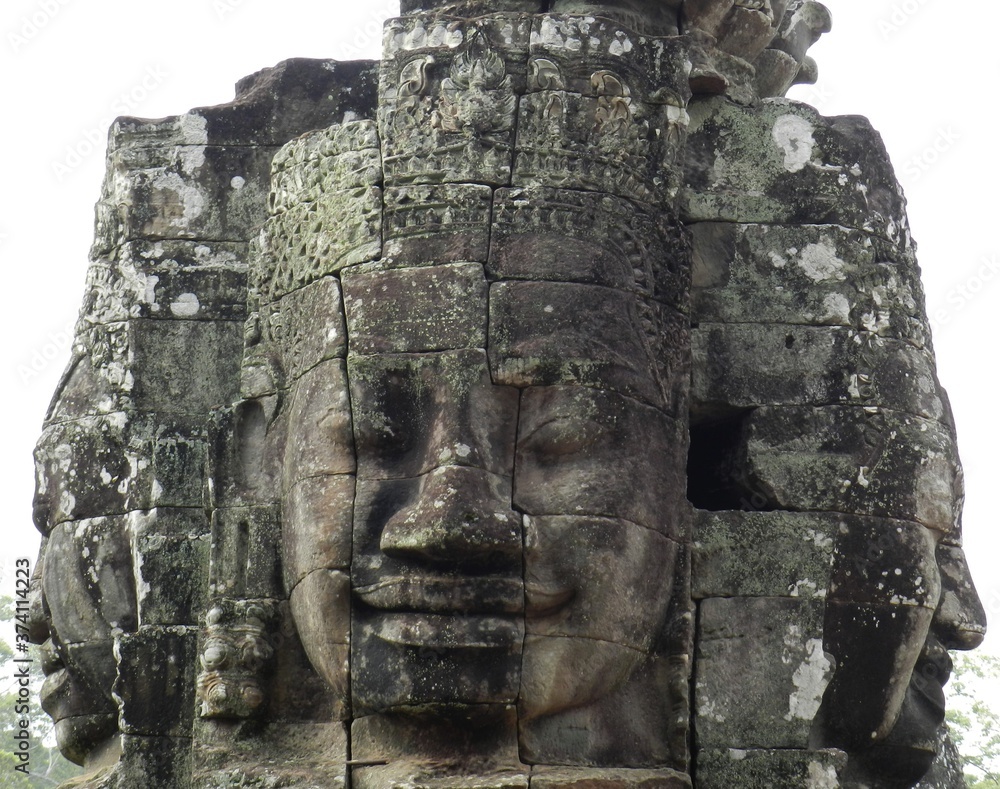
(48, 767)
(974, 719)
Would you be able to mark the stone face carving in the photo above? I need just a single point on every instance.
(441, 422)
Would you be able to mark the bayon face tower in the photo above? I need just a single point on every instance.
(549, 403)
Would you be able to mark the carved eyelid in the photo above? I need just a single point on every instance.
(585, 437)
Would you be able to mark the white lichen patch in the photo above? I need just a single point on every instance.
(794, 136)
(820, 263)
(822, 776)
(185, 306)
(810, 680)
(837, 308)
(187, 202)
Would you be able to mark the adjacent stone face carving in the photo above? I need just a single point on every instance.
(436, 422)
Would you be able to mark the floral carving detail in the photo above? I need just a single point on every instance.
(478, 97)
(614, 103)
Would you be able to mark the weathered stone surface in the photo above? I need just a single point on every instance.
(856, 460)
(164, 539)
(403, 661)
(69, 457)
(433, 308)
(159, 762)
(320, 441)
(320, 605)
(781, 163)
(448, 98)
(192, 190)
(464, 747)
(308, 756)
(596, 578)
(610, 717)
(170, 279)
(188, 367)
(805, 275)
(305, 327)
(763, 554)
(569, 437)
(245, 545)
(610, 778)
(544, 334)
(156, 703)
(437, 223)
(414, 412)
(762, 769)
(318, 512)
(745, 365)
(91, 563)
(562, 235)
(293, 253)
(772, 649)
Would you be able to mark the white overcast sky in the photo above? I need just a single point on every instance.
(922, 73)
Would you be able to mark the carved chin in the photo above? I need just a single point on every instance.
(81, 736)
(561, 673)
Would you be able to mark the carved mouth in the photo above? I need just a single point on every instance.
(449, 631)
(543, 601)
(483, 595)
(931, 674)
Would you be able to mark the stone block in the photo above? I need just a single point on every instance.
(69, 457)
(743, 365)
(864, 461)
(321, 607)
(783, 163)
(549, 333)
(313, 239)
(155, 683)
(337, 158)
(805, 275)
(320, 440)
(453, 122)
(569, 439)
(414, 310)
(305, 327)
(446, 541)
(185, 367)
(304, 755)
(415, 412)
(722, 768)
(170, 279)
(182, 192)
(463, 747)
(295, 691)
(157, 762)
(271, 107)
(764, 554)
(597, 578)
(607, 778)
(89, 581)
(631, 712)
(316, 534)
(170, 467)
(408, 660)
(437, 223)
(885, 563)
(245, 559)
(761, 672)
(562, 235)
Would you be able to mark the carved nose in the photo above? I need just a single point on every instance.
(462, 518)
(960, 619)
